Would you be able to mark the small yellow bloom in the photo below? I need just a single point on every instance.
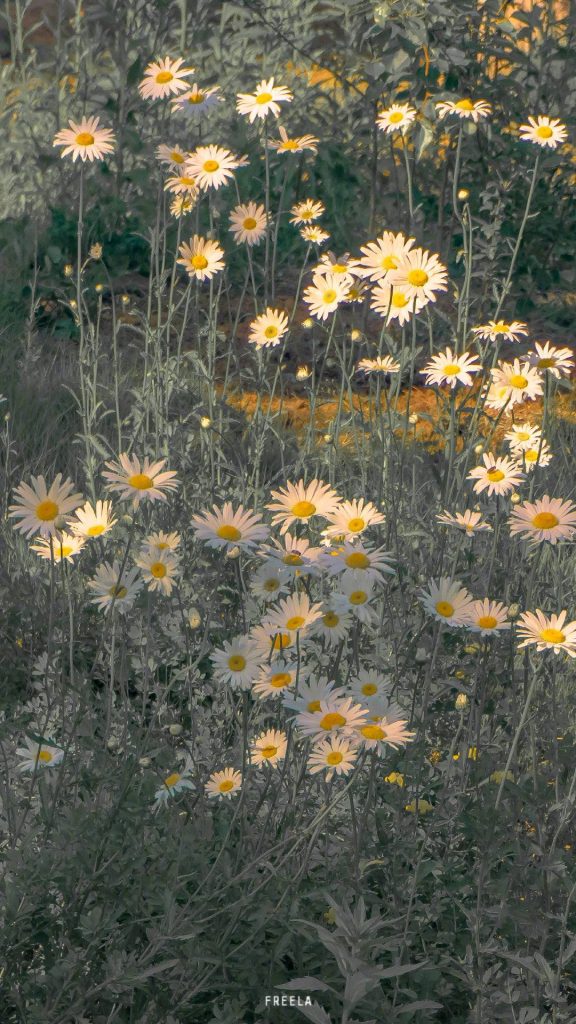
(435, 756)
(472, 753)
(420, 806)
(499, 776)
(395, 779)
(461, 702)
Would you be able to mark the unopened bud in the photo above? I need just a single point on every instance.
(194, 618)
(461, 702)
(463, 193)
(176, 730)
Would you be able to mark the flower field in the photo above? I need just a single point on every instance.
(288, 715)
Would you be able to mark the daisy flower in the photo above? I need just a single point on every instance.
(497, 475)
(201, 257)
(356, 558)
(44, 755)
(447, 600)
(138, 481)
(237, 662)
(162, 541)
(159, 569)
(109, 587)
(174, 783)
(548, 518)
(473, 110)
(383, 255)
(559, 361)
(296, 145)
(369, 685)
(269, 582)
(378, 734)
(356, 594)
(174, 156)
(521, 381)
(275, 679)
(333, 625)
(181, 205)
(335, 715)
(268, 748)
(325, 294)
(271, 642)
(469, 521)
(92, 522)
(263, 101)
(293, 555)
(85, 139)
(548, 632)
(211, 166)
(344, 267)
(311, 695)
(164, 78)
(39, 507)
(248, 223)
(197, 102)
(335, 756)
(496, 330)
(350, 518)
(486, 617)
(226, 528)
(544, 131)
(449, 368)
(538, 455)
(419, 276)
(306, 211)
(294, 614)
(314, 234)
(396, 117)
(268, 329)
(299, 502)
(522, 436)
(183, 185)
(394, 303)
(380, 364)
(223, 784)
(63, 546)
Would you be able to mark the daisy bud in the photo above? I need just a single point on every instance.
(145, 762)
(513, 611)
(515, 498)
(303, 372)
(125, 299)
(95, 251)
(307, 323)
(73, 304)
(421, 656)
(413, 419)
(435, 756)
(194, 619)
(233, 552)
(355, 334)
(461, 702)
(68, 270)
(327, 438)
(459, 674)
(98, 288)
(463, 193)
(205, 422)
(175, 730)
(471, 649)
(478, 449)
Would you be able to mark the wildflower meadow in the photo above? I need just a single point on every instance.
(288, 601)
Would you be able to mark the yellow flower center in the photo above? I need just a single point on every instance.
(313, 706)
(176, 157)
(306, 214)
(552, 636)
(226, 532)
(158, 570)
(545, 521)
(369, 689)
(444, 608)
(356, 524)
(303, 509)
(417, 277)
(522, 435)
(84, 139)
(271, 585)
(163, 77)
(96, 530)
(271, 331)
(45, 756)
(495, 475)
(332, 720)
(357, 560)
(280, 679)
(389, 263)
(531, 455)
(451, 370)
(487, 621)
(289, 144)
(373, 732)
(399, 300)
(249, 223)
(46, 510)
(199, 262)
(188, 182)
(140, 482)
(263, 97)
(172, 779)
(236, 663)
(395, 117)
(546, 364)
(196, 97)
(226, 785)
(281, 640)
(64, 551)
(211, 165)
(329, 296)
(269, 751)
(118, 591)
(293, 559)
(358, 597)
(295, 622)
(330, 619)
(464, 105)
(334, 757)
(518, 381)
(544, 131)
